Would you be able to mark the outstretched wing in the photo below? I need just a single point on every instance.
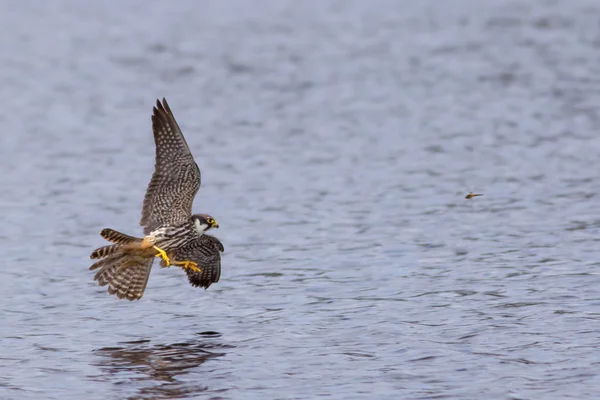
(206, 252)
(176, 177)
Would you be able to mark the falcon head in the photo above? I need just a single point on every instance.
(204, 222)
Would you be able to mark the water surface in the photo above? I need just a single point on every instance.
(337, 141)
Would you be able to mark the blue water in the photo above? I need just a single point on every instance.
(337, 141)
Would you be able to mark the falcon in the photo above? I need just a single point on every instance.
(171, 232)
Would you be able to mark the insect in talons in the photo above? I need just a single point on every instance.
(471, 195)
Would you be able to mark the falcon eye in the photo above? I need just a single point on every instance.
(210, 220)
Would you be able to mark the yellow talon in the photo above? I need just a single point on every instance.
(162, 254)
(188, 265)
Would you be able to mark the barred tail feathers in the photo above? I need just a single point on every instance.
(117, 237)
(105, 251)
(125, 274)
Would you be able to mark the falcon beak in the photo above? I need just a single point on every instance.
(215, 225)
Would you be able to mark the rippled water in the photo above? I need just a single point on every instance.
(337, 141)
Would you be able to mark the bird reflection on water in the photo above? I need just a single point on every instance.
(156, 368)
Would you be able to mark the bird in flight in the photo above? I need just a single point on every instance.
(171, 231)
(471, 195)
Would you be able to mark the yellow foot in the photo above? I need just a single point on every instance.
(162, 254)
(188, 265)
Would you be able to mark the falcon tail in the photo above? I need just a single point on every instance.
(117, 237)
(125, 274)
(121, 239)
(123, 270)
(105, 251)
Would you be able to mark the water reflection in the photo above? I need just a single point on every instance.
(157, 369)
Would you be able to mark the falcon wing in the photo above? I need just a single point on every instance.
(206, 252)
(176, 177)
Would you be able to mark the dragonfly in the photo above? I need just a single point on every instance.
(471, 195)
